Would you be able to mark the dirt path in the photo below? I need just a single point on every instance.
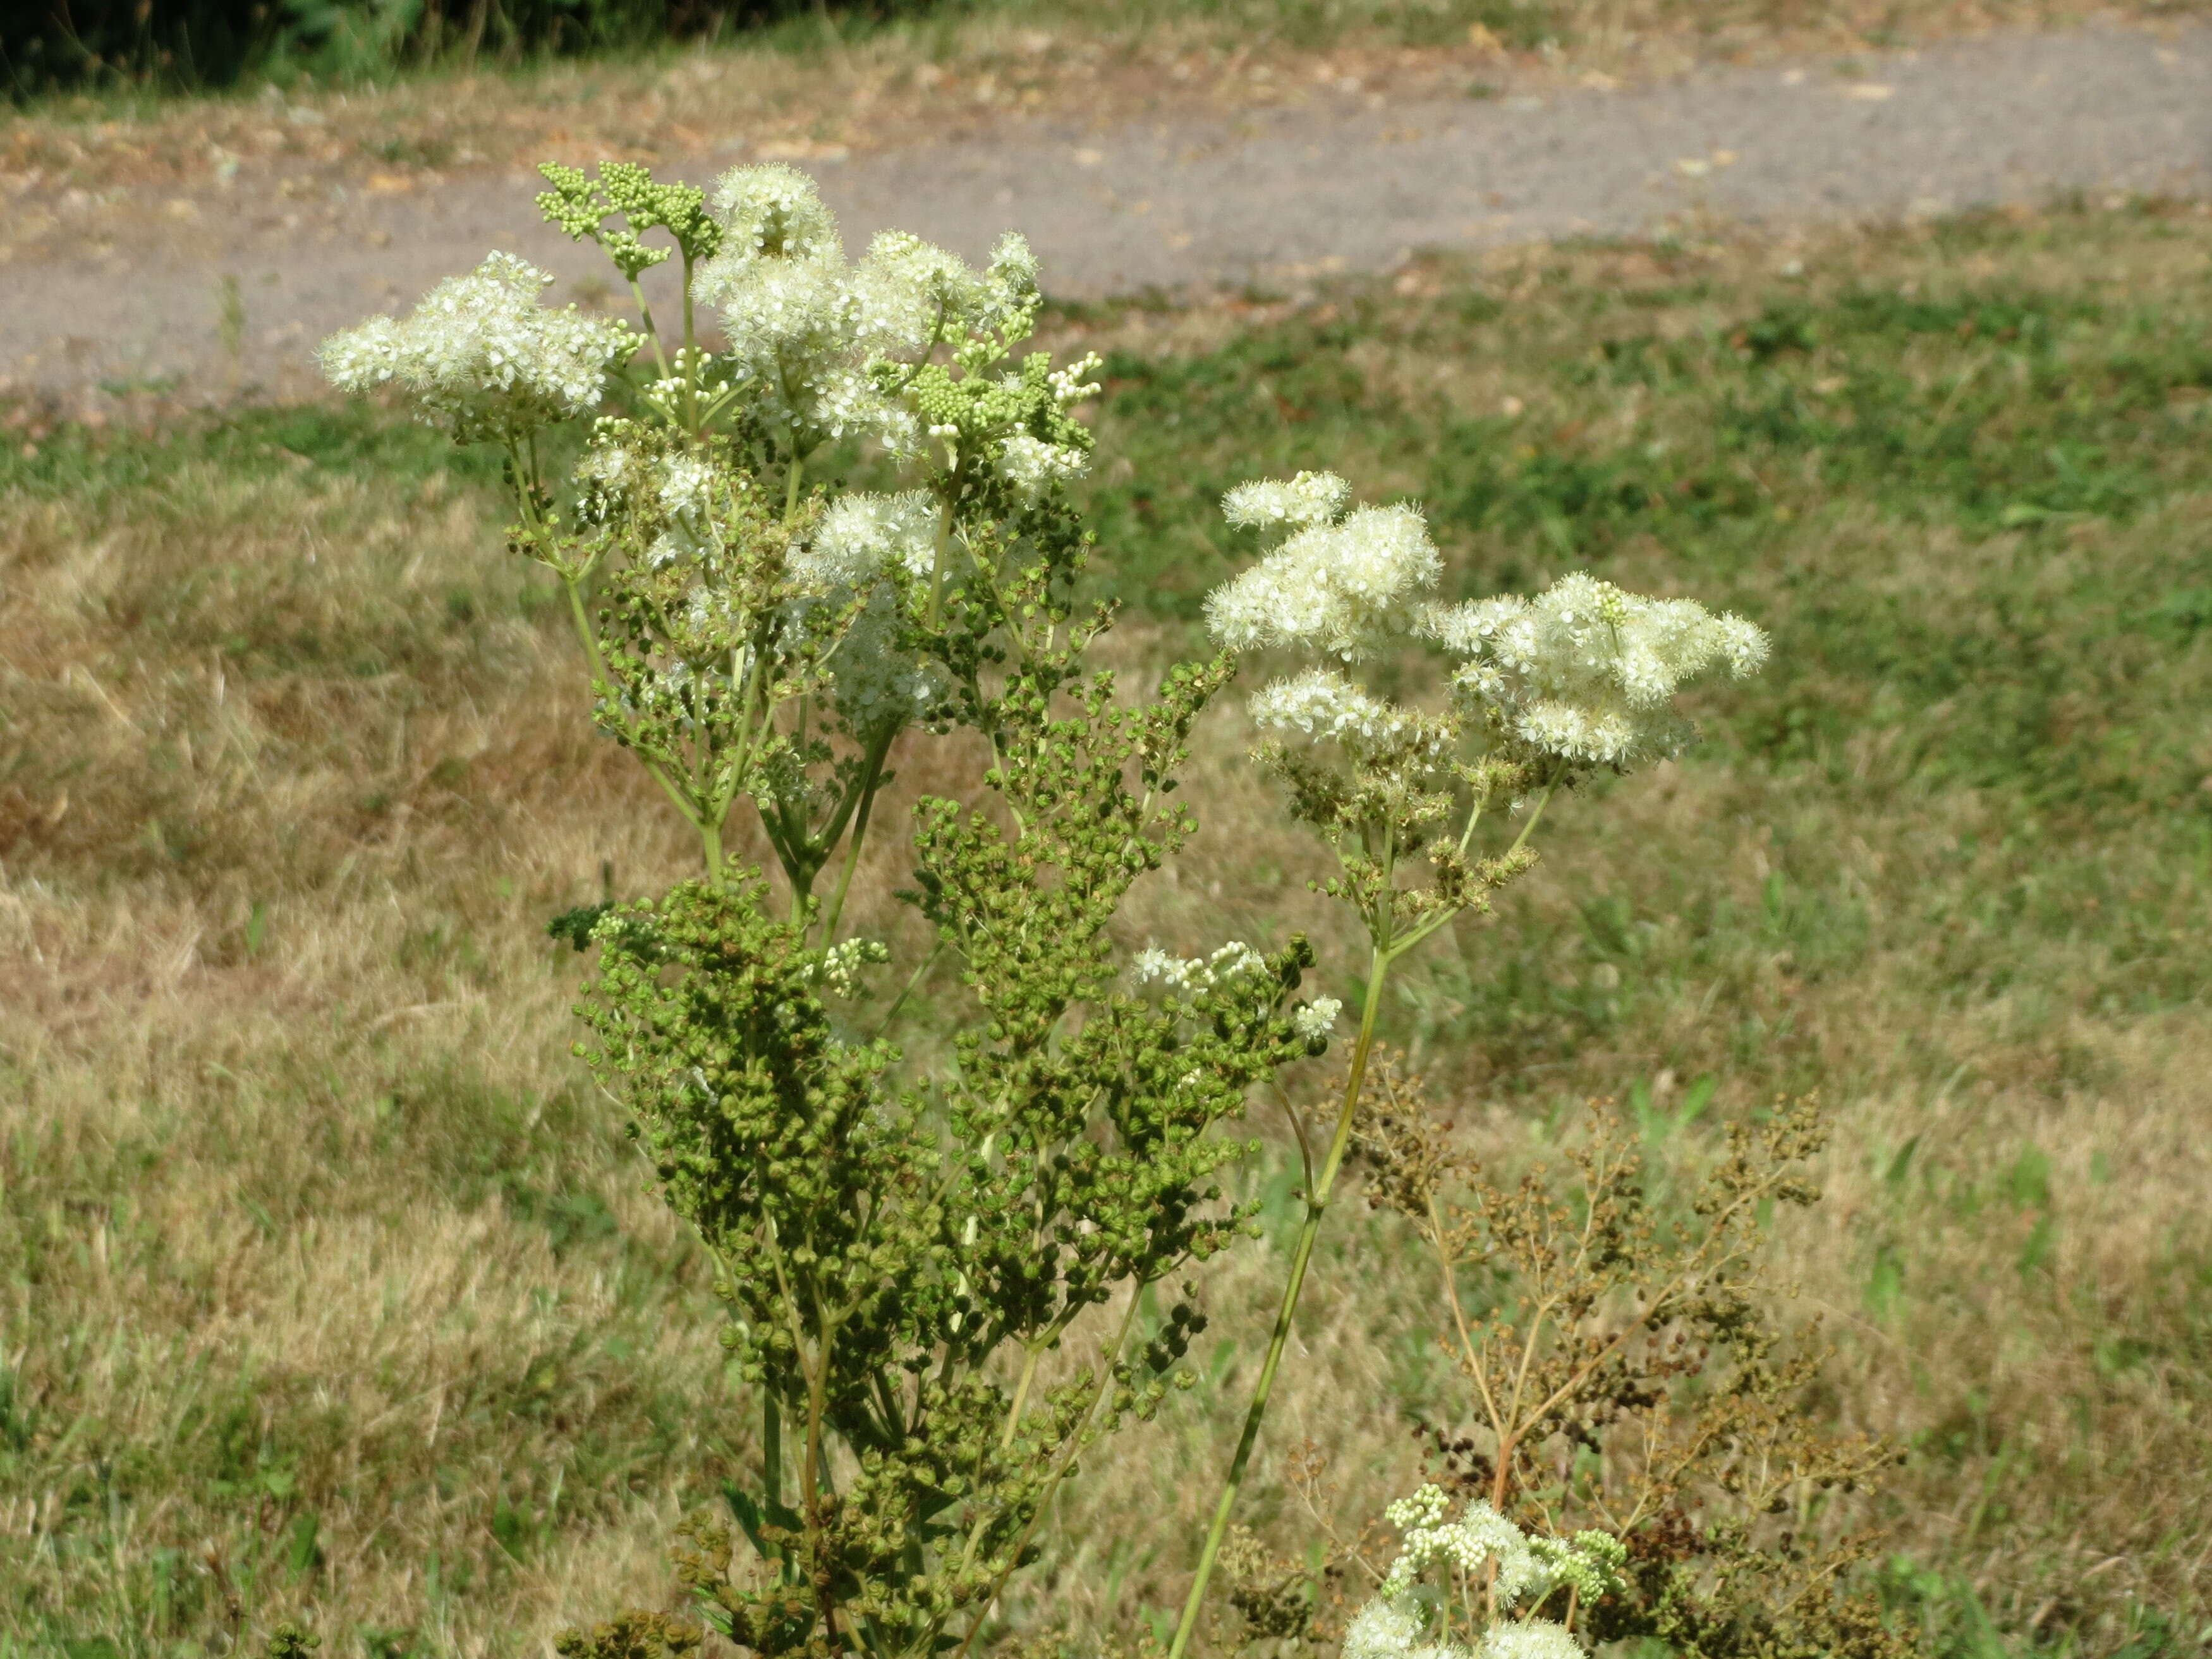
(216, 293)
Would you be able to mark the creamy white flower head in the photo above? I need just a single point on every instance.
(793, 333)
(878, 687)
(804, 324)
(1534, 1639)
(610, 465)
(862, 535)
(1390, 1628)
(713, 609)
(795, 314)
(1033, 467)
(1323, 704)
(1316, 1018)
(1480, 1535)
(1153, 964)
(1343, 588)
(911, 294)
(686, 482)
(786, 303)
(1585, 672)
(482, 354)
(907, 291)
(1309, 498)
(1012, 279)
(771, 211)
(1187, 976)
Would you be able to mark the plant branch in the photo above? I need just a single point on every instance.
(1317, 1197)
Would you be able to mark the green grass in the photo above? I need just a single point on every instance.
(326, 1286)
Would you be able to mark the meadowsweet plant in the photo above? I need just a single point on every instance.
(931, 1275)
(1428, 803)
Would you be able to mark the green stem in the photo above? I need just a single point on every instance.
(1073, 1445)
(691, 330)
(582, 619)
(1316, 1204)
(690, 353)
(771, 1448)
(652, 334)
(710, 838)
(875, 766)
(1528, 829)
(899, 1001)
(1021, 1399)
(938, 553)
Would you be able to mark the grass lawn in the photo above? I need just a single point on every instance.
(327, 1288)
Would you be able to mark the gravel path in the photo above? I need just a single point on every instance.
(220, 293)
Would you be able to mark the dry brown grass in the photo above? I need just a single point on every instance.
(285, 1046)
(310, 1222)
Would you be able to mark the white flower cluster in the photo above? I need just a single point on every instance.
(1032, 465)
(1585, 672)
(1317, 1018)
(482, 354)
(1530, 1638)
(877, 687)
(1187, 976)
(1323, 704)
(1344, 586)
(1522, 1569)
(1394, 1630)
(1266, 503)
(859, 544)
(804, 324)
(683, 493)
(1388, 1629)
(685, 486)
(862, 535)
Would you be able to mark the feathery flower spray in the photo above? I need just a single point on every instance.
(483, 356)
(1544, 690)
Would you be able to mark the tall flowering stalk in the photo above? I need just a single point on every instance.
(899, 1250)
(1540, 693)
